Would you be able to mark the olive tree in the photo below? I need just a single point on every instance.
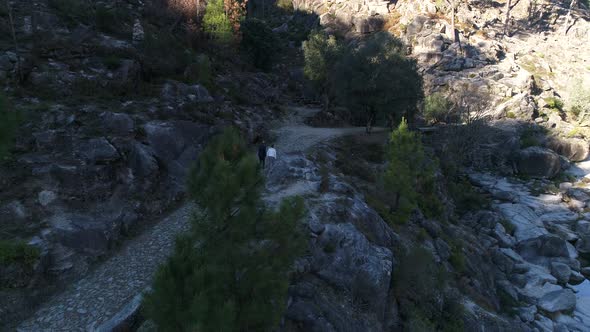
(377, 81)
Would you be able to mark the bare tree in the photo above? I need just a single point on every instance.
(469, 140)
(566, 27)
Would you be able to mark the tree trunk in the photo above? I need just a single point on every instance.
(326, 98)
(370, 123)
(507, 19)
(567, 17)
(14, 40)
(453, 31)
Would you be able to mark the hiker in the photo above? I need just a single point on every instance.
(262, 153)
(271, 155)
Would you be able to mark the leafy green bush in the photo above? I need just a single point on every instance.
(436, 108)
(579, 100)
(9, 121)
(259, 43)
(554, 103)
(231, 273)
(465, 196)
(17, 252)
(511, 115)
(112, 20)
(216, 22)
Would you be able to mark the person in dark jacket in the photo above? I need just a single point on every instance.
(262, 153)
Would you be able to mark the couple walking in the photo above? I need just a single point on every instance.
(265, 153)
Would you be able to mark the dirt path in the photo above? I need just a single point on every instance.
(92, 301)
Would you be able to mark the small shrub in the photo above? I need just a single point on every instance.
(508, 226)
(436, 108)
(576, 132)
(554, 103)
(457, 259)
(12, 251)
(529, 138)
(383, 210)
(422, 235)
(511, 115)
(285, 5)
(259, 43)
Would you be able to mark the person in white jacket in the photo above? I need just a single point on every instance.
(271, 155)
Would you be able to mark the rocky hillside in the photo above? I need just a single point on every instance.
(117, 99)
(115, 103)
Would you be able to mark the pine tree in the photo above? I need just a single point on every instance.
(231, 272)
(409, 176)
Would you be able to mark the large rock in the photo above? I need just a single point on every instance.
(82, 233)
(173, 91)
(344, 265)
(573, 149)
(142, 160)
(98, 150)
(558, 301)
(525, 221)
(549, 245)
(561, 272)
(538, 162)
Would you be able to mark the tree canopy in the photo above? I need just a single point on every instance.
(375, 80)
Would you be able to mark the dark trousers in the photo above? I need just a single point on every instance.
(262, 159)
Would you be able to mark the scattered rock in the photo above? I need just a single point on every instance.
(46, 197)
(558, 301)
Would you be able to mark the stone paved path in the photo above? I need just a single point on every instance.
(106, 290)
(96, 298)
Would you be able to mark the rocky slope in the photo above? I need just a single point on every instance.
(107, 143)
(112, 120)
